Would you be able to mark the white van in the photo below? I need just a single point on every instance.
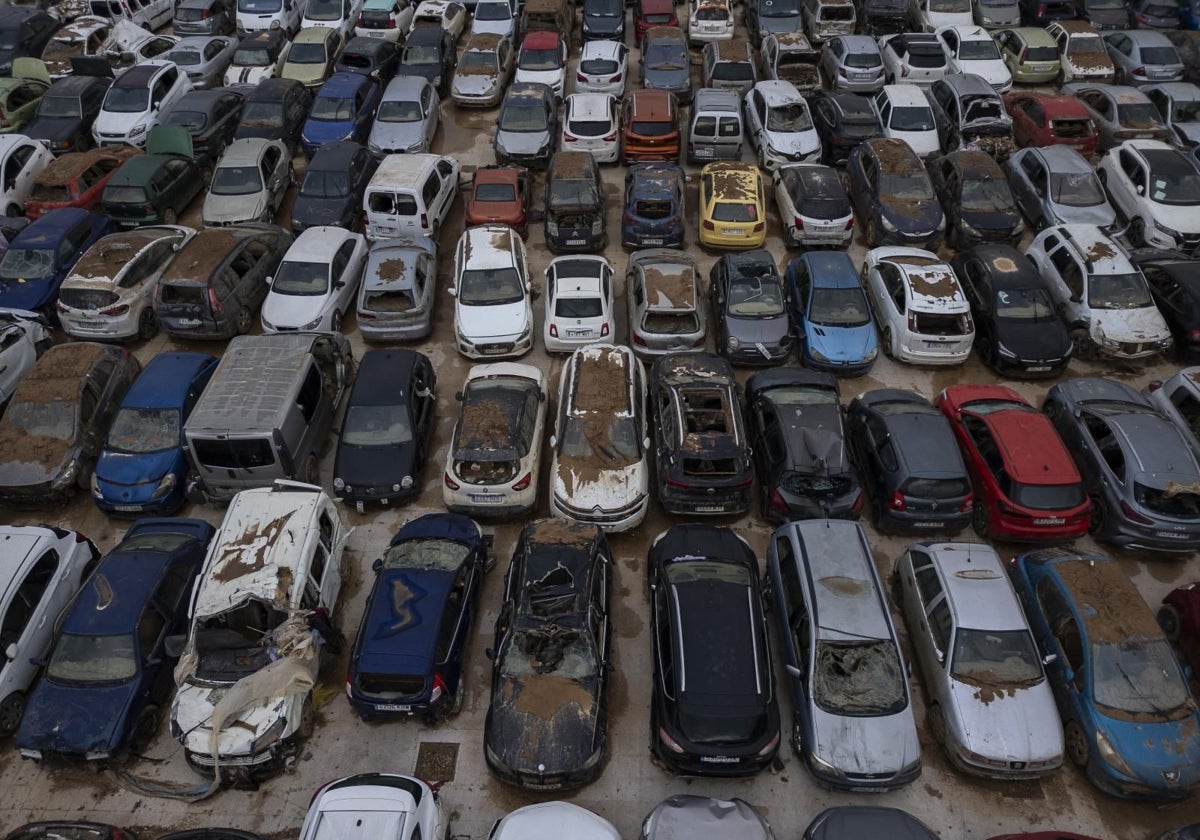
(261, 15)
(410, 195)
(148, 14)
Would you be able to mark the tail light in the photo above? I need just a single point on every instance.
(779, 504)
(699, 342)
(115, 310)
(627, 217)
(898, 502)
(638, 340)
(214, 302)
(799, 222)
(850, 223)
(668, 741)
(449, 482)
(391, 24)
(523, 483)
(707, 225)
(904, 71)
(365, 316)
(604, 329)
(745, 482)
(362, 24)
(843, 73)
(439, 686)
(760, 227)
(1193, 336)
(1157, 383)
(615, 78)
(554, 330)
(349, 685)
(771, 745)
(1133, 516)
(424, 220)
(567, 138)
(857, 507)
(609, 138)
(1024, 52)
(675, 482)
(968, 502)
(60, 306)
(1139, 71)
(1141, 18)
(579, 77)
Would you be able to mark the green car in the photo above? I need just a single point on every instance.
(21, 93)
(155, 188)
(1030, 53)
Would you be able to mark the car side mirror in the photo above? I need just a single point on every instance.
(11, 651)
(795, 672)
(553, 441)
(452, 291)
(270, 279)
(339, 284)
(377, 566)
(490, 654)
(174, 645)
(645, 443)
(1049, 659)
(156, 106)
(1141, 189)
(1076, 299)
(458, 395)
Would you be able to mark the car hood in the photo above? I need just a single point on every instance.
(604, 25)
(584, 485)
(76, 719)
(794, 142)
(54, 128)
(293, 310)
(397, 135)
(319, 132)
(129, 468)
(872, 744)
(1044, 339)
(671, 79)
(522, 142)
(1182, 219)
(1153, 749)
(248, 75)
(1128, 325)
(1101, 215)
(306, 74)
(842, 344)
(374, 466)
(473, 85)
(192, 710)
(550, 78)
(994, 72)
(229, 209)
(987, 220)
(47, 459)
(779, 25)
(109, 123)
(912, 219)
(1011, 724)
(769, 332)
(543, 723)
(319, 211)
(478, 322)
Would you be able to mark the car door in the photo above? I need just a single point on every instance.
(1126, 183)
(1028, 185)
(27, 621)
(795, 627)
(756, 110)
(1070, 279)
(928, 617)
(1059, 635)
(977, 287)
(274, 166)
(878, 452)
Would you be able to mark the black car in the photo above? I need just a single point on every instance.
(795, 429)
(842, 121)
(893, 197)
(333, 186)
(372, 57)
(1042, 12)
(1175, 286)
(854, 822)
(210, 117)
(429, 52)
(712, 709)
(547, 721)
(1017, 329)
(703, 457)
(276, 110)
(385, 431)
(974, 192)
(604, 20)
(751, 322)
(575, 202)
(911, 467)
(66, 113)
(882, 17)
(24, 32)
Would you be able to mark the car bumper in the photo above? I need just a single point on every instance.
(122, 328)
(683, 764)
(749, 239)
(896, 522)
(940, 358)
(861, 783)
(1124, 788)
(847, 369)
(773, 159)
(720, 502)
(488, 100)
(548, 782)
(1022, 531)
(385, 497)
(664, 239)
(1007, 771)
(430, 711)
(245, 770)
(611, 521)
(750, 355)
(575, 241)
(494, 349)
(860, 85)
(398, 332)
(811, 238)
(128, 508)
(717, 151)
(637, 154)
(1159, 540)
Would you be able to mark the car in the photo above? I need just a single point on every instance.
(343, 109)
(500, 195)
(575, 203)
(1178, 619)
(991, 14)
(603, 65)
(83, 36)
(1044, 12)
(603, 20)
(780, 125)
(552, 641)
(483, 71)
(311, 56)
(1178, 398)
(834, 638)
(665, 63)
(275, 110)
(259, 56)
(542, 59)
(972, 50)
(709, 20)
(340, 15)
(396, 298)
(1175, 289)
(969, 114)
(24, 337)
(23, 162)
(205, 17)
(852, 63)
(449, 15)
(846, 821)
(414, 808)
(911, 467)
(499, 463)
(1142, 56)
(210, 117)
(728, 65)
(763, 19)
(527, 125)
(368, 56)
(332, 190)
(41, 255)
(270, 15)
(662, 301)
(496, 17)
(135, 102)
(580, 822)
(892, 195)
(66, 112)
(731, 195)
(703, 457)
(1056, 185)
(1083, 609)
(654, 206)
(919, 304)
(905, 114)
(650, 127)
(709, 641)
(648, 14)
(592, 123)
(751, 323)
(75, 179)
(1187, 44)
(795, 429)
(205, 58)
(44, 569)
(21, 93)
(1119, 113)
(842, 121)
(317, 282)
(417, 668)
(681, 813)
(1082, 53)
(1178, 104)
(972, 188)
(1051, 120)
(579, 302)
(930, 15)
(386, 20)
(1030, 54)
(829, 309)
(791, 57)
(813, 206)
(1023, 492)
(493, 316)
(429, 52)
(1104, 14)
(249, 183)
(157, 187)
(1156, 189)
(913, 58)
(114, 660)
(407, 118)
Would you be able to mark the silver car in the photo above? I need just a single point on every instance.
(666, 314)
(686, 815)
(407, 119)
(1056, 185)
(987, 698)
(395, 300)
(483, 71)
(249, 182)
(1142, 56)
(204, 58)
(853, 63)
(1120, 113)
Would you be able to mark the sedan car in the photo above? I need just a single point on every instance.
(975, 195)
(654, 206)
(205, 58)
(851, 821)
(249, 183)
(813, 205)
(892, 195)
(66, 112)
(343, 109)
(396, 298)
(483, 71)
(1056, 185)
(750, 319)
(1082, 53)
(684, 815)
(407, 118)
(407, 803)
(829, 308)
(1156, 189)
(1119, 113)
(317, 282)
(157, 187)
(369, 56)
(1142, 56)
(1178, 103)
(579, 302)
(332, 190)
(663, 302)
(41, 255)
(580, 823)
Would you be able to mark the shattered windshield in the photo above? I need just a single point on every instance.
(558, 651)
(986, 195)
(143, 430)
(859, 678)
(237, 642)
(1076, 189)
(789, 118)
(1118, 291)
(752, 297)
(906, 187)
(438, 555)
(614, 439)
(80, 658)
(996, 658)
(666, 55)
(1139, 676)
(22, 264)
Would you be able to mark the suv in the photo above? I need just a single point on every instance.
(135, 102)
(663, 302)
(968, 112)
(703, 455)
(575, 203)
(493, 317)
(1154, 187)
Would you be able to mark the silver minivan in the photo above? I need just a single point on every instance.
(716, 129)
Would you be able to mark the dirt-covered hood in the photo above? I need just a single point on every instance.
(1006, 723)
(1128, 325)
(193, 707)
(543, 723)
(32, 459)
(867, 744)
(586, 485)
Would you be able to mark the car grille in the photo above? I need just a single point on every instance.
(1190, 243)
(601, 517)
(1132, 348)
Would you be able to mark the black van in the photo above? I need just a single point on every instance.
(575, 203)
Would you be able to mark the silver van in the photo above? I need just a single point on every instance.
(266, 412)
(716, 128)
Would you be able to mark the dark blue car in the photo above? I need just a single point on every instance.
(109, 674)
(142, 468)
(653, 214)
(39, 258)
(408, 656)
(832, 316)
(342, 110)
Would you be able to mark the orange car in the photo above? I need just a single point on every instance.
(651, 126)
(76, 179)
(500, 195)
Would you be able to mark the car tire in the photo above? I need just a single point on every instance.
(244, 321)
(1137, 232)
(13, 211)
(1169, 621)
(1076, 743)
(870, 233)
(147, 325)
(308, 719)
(984, 346)
(81, 143)
(937, 723)
(1096, 520)
(145, 727)
(887, 342)
(169, 216)
(11, 710)
(979, 521)
(312, 471)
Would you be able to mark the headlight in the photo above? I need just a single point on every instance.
(733, 343)
(1174, 234)
(96, 487)
(870, 357)
(267, 325)
(405, 482)
(67, 476)
(1004, 351)
(817, 354)
(1164, 343)
(61, 144)
(141, 129)
(888, 226)
(416, 147)
(1111, 756)
(165, 486)
(822, 766)
(275, 24)
(312, 325)
(338, 484)
(269, 737)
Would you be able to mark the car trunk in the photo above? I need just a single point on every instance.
(185, 307)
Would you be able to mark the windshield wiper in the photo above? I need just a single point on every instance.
(1138, 691)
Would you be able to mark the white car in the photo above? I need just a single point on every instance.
(498, 17)
(257, 59)
(395, 807)
(21, 161)
(109, 294)
(779, 124)
(603, 66)
(905, 114)
(709, 20)
(543, 58)
(1156, 189)
(341, 15)
(386, 20)
(248, 183)
(971, 49)
(262, 15)
(82, 36)
(493, 316)
(129, 44)
(579, 302)
(913, 57)
(800, 187)
(24, 337)
(922, 312)
(930, 15)
(450, 15)
(553, 819)
(317, 282)
(599, 469)
(135, 102)
(494, 458)
(40, 571)
(592, 123)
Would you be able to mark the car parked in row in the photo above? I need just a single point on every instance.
(834, 325)
(893, 198)
(396, 296)
(663, 302)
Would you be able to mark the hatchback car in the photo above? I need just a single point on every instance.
(210, 117)
(842, 121)
(1175, 286)
(1051, 119)
(157, 187)
(311, 56)
(913, 57)
(386, 20)
(205, 58)
(974, 192)
(496, 17)
(848, 821)
(579, 302)
(542, 59)
(407, 118)
(527, 126)
(1142, 56)
(732, 206)
(259, 56)
(1178, 103)
(332, 190)
(650, 127)
(317, 282)
(500, 195)
(603, 65)
(407, 803)
(892, 195)
(829, 308)
(275, 110)
(1030, 54)
(22, 163)
(923, 314)
(780, 125)
(663, 302)
(654, 206)
(1119, 113)
(972, 50)
(682, 814)
(369, 56)
(493, 316)
(21, 93)
(665, 63)
(592, 123)
(429, 52)
(750, 318)
(1156, 189)
(1056, 185)
(813, 206)
(709, 20)
(728, 64)
(41, 256)
(134, 103)
(396, 298)
(1082, 53)
(75, 179)
(603, 20)
(24, 337)
(853, 63)
(483, 71)
(905, 114)
(249, 183)
(343, 109)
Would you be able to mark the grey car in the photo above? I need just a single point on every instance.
(1142, 56)
(1120, 113)
(395, 300)
(1178, 104)
(729, 65)
(853, 63)
(663, 296)
(666, 64)
(750, 309)
(1143, 473)
(249, 183)
(988, 702)
(204, 58)
(407, 118)
(686, 815)
(205, 17)
(527, 126)
(1055, 185)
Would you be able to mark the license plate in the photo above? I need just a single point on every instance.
(392, 707)
(1049, 520)
(653, 241)
(1143, 135)
(374, 33)
(575, 242)
(704, 152)
(127, 508)
(493, 351)
(927, 524)
(719, 759)
(189, 322)
(486, 498)
(1170, 535)
(710, 509)
(731, 231)
(1038, 368)
(578, 333)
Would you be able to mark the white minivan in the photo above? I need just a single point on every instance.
(410, 195)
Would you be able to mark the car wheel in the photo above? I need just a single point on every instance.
(169, 216)
(335, 323)
(12, 211)
(887, 341)
(245, 320)
(147, 325)
(81, 143)
(143, 730)
(308, 719)
(984, 346)
(312, 471)
(1168, 619)
(11, 710)
(1096, 522)
(1076, 743)
(84, 480)
(937, 723)
(870, 233)
(456, 707)
(1082, 343)
(1137, 232)
(979, 521)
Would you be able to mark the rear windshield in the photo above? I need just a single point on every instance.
(124, 195)
(930, 323)
(245, 454)
(936, 488)
(926, 57)
(392, 204)
(733, 71)
(598, 67)
(836, 13)
(1159, 55)
(1041, 54)
(735, 211)
(169, 293)
(711, 126)
(1046, 496)
(652, 129)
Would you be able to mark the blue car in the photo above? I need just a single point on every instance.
(408, 656)
(142, 469)
(109, 673)
(833, 319)
(654, 201)
(41, 256)
(342, 110)
(1129, 717)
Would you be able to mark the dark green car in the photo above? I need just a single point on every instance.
(155, 188)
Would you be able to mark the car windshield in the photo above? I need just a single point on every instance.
(332, 109)
(260, 7)
(1118, 291)
(420, 55)
(252, 57)
(475, 60)
(1024, 305)
(1076, 189)
(666, 56)
(911, 118)
(1173, 179)
(791, 117)
(80, 658)
(188, 120)
(532, 59)
(572, 192)
(62, 107)
(952, 7)
(429, 554)
(858, 678)
(301, 278)
(262, 115)
(324, 185)
(995, 658)
(185, 57)
(1106, 5)
(127, 100)
(306, 54)
(610, 442)
(779, 8)
(1140, 115)
(523, 117)
(22, 264)
(377, 425)
(556, 651)
(753, 297)
(839, 308)
(986, 195)
(323, 10)
(490, 286)
(733, 71)
(55, 419)
(1083, 45)
(236, 180)
(398, 111)
(142, 430)
(978, 50)
(493, 11)
(906, 187)
(1138, 676)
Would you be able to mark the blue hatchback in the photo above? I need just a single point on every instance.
(408, 656)
(109, 673)
(142, 468)
(653, 213)
(40, 256)
(342, 110)
(831, 313)
(1129, 718)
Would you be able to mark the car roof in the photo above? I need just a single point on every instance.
(46, 231)
(831, 269)
(271, 90)
(405, 87)
(859, 43)
(484, 42)
(1177, 90)
(312, 35)
(268, 36)
(716, 99)
(382, 376)
(665, 291)
(652, 104)
(344, 84)
(76, 85)
(974, 164)
(837, 565)
(733, 181)
(777, 92)
(652, 180)
(1097, 248)
(112, 599)
(601, 48)
(1104, 596)
(1059, 158)
(402, 167)
(490, 246)
(1057, 105)
(317, 244)
(525, 90)
(334, 156)
(18, 543)
(141, 75)
(932, 286)
(556, 567)
(977, 587)
(244, 152)
(1146, 37)
(968, 84)
(541, 40)
(1007, 267)
(583, 105)
(925, 442)
(362, 45)
(1035, 36)
(906, 95)
(166, 380)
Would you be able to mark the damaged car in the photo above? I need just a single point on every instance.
(687, 815)
(975, 194)
(663, 302)
(482, 72)
(24, 337)
(42, 254)
(500, 195)
(249, 183)
(750, 308)
(547, 721)
(892, 196)
(1056, 185)
(971, 115)
(396, 297)
(579, 302)
(575, 203)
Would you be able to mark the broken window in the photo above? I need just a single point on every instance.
(558, 651)
(859, 678)
(237, 642)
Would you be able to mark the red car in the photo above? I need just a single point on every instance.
(1026, 485)
(651, 13)
(1179, 618)
(76, 179)
(500, 195)
(1051, 119)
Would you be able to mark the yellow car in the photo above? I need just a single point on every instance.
(732, 207)
(310, 58)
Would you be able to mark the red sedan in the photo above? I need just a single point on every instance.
(1051, 120)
